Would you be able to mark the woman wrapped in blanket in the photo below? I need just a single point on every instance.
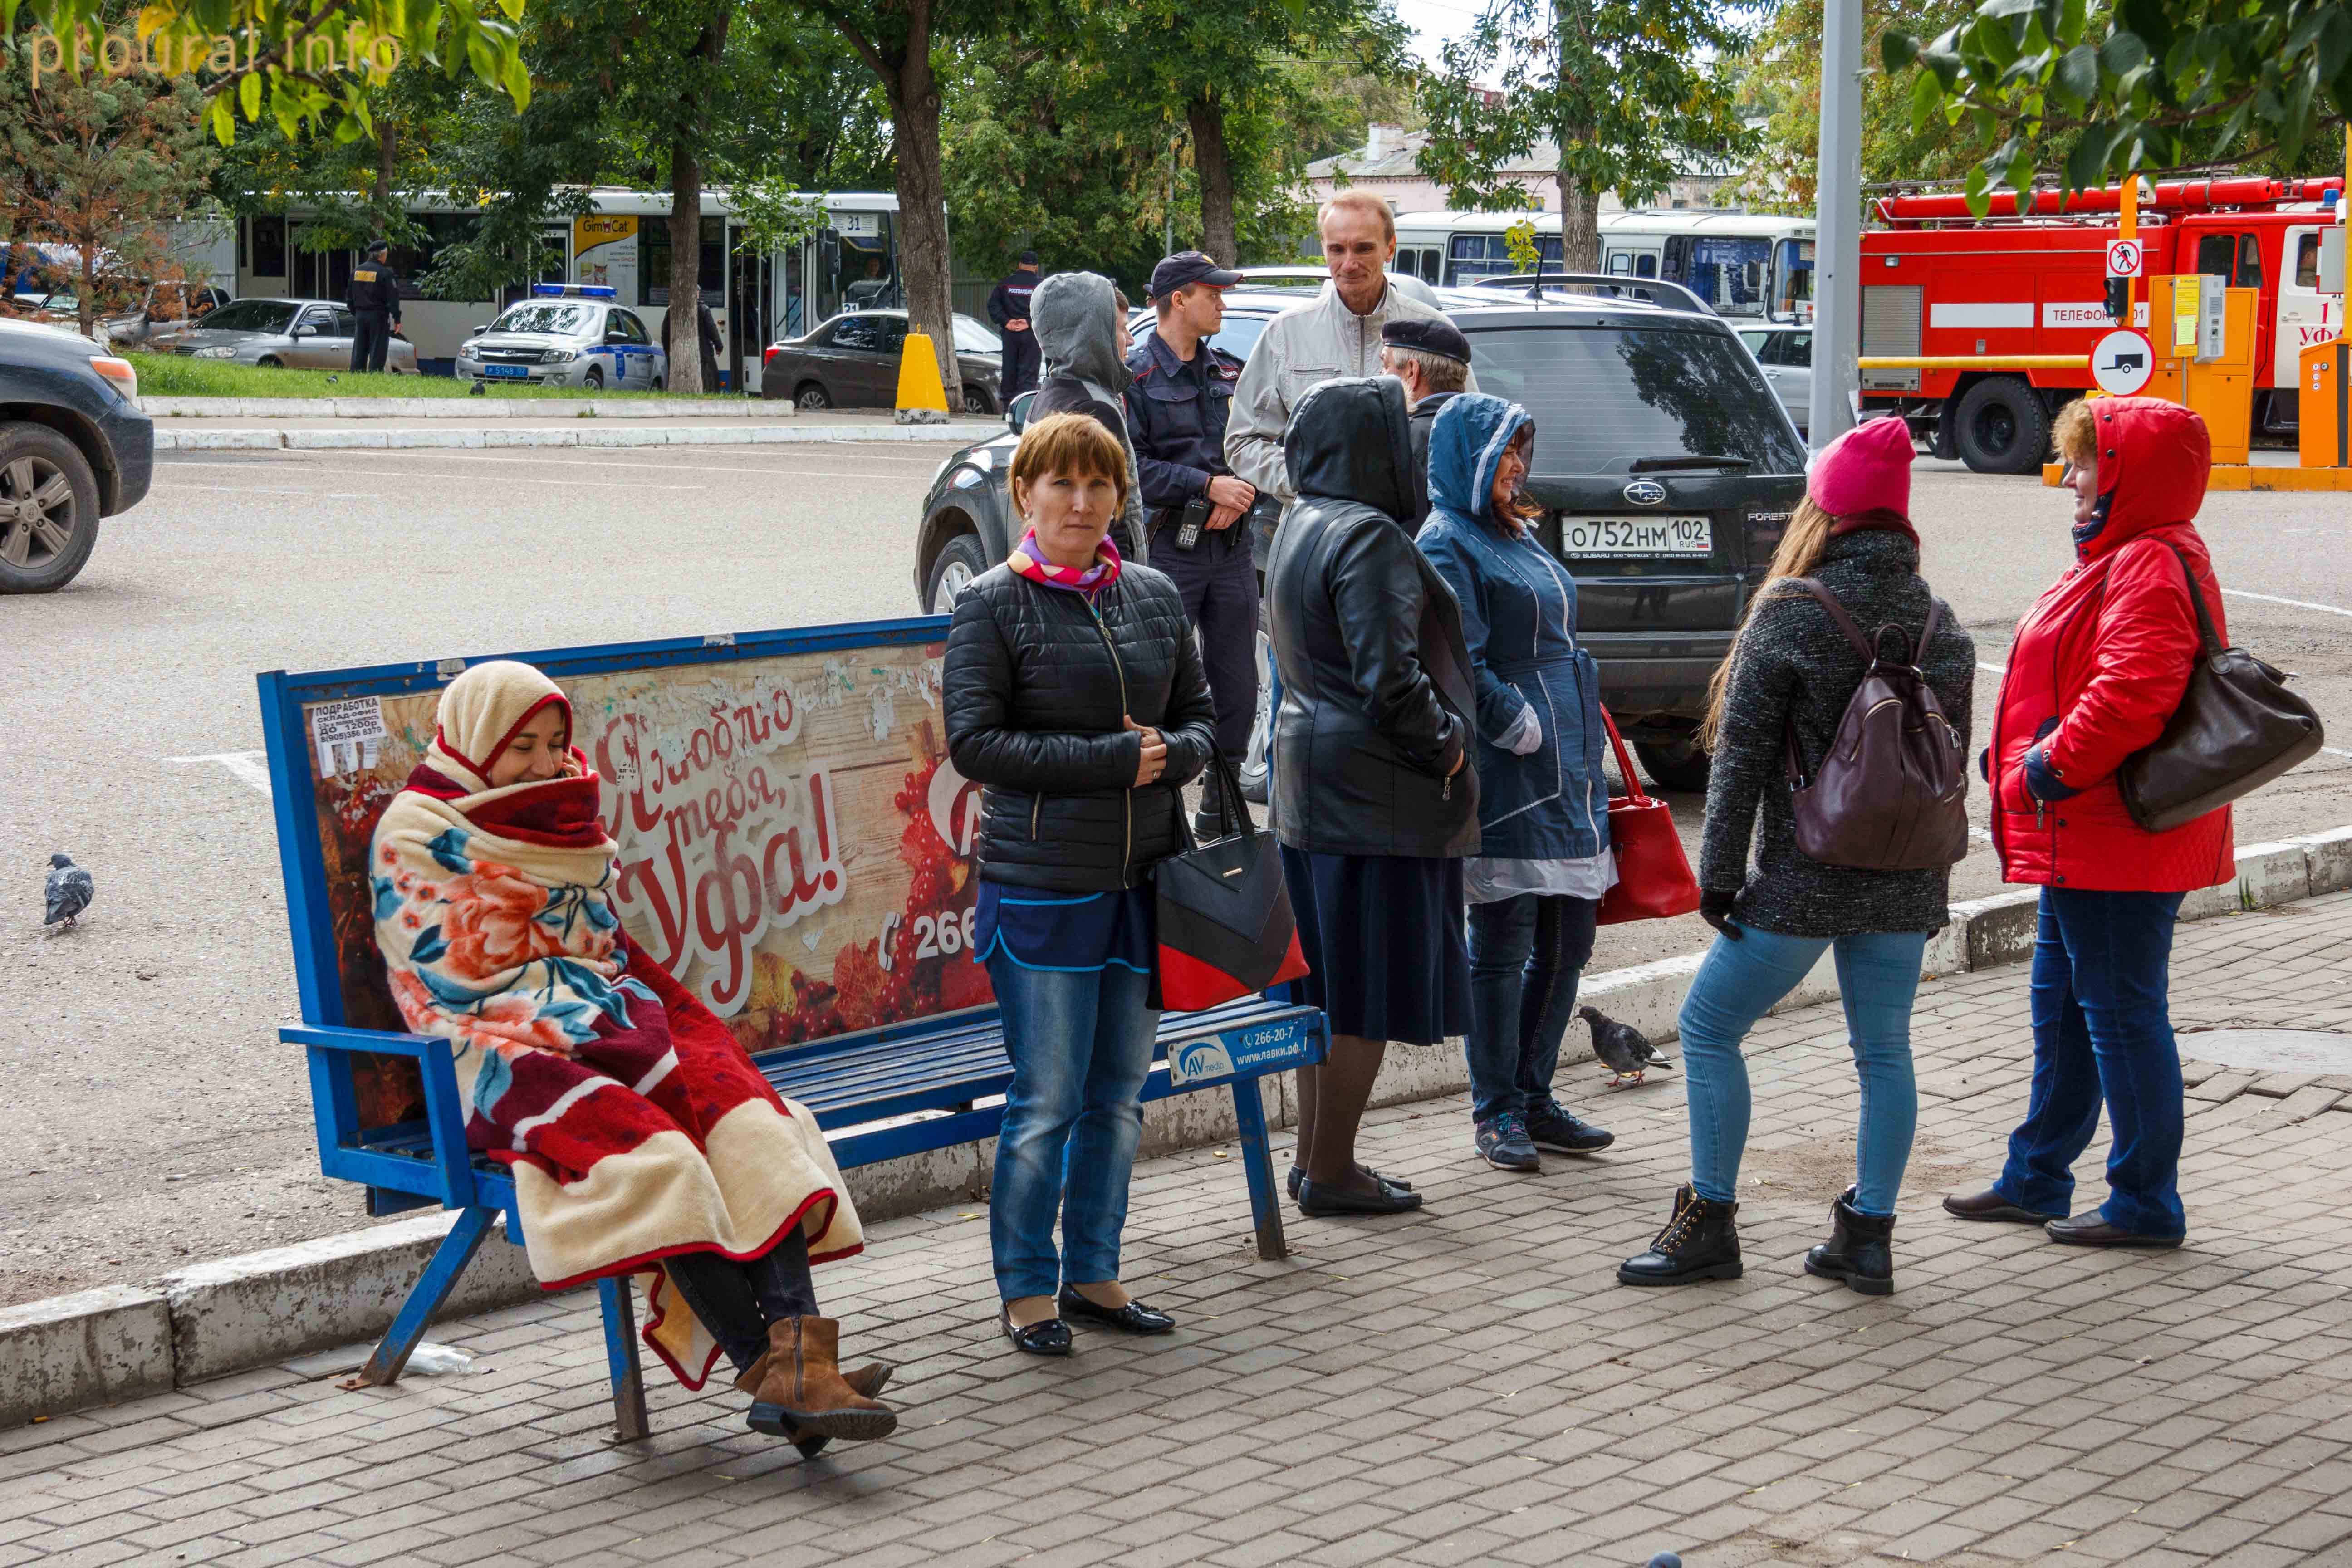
(642, 1140)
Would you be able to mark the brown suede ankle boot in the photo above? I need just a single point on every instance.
(802, 1394)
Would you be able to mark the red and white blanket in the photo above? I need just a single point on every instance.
(635, 1125)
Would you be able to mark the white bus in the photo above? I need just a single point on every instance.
(623, 244)
(1744, 264)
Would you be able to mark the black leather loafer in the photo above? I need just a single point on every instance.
(1135, 1318)
(1317, 1201)
(1051, 1337)
(1990, 1205)
(2090, 1230)
(1399, 1183)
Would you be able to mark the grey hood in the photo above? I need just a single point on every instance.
(1076, 318)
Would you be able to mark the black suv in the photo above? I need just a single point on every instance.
(1665, 467)
(74, 448)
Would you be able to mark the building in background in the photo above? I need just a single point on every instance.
(1386, 166)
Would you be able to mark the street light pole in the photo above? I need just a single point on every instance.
(1837, 227)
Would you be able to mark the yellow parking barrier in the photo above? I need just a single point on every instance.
(922, 400)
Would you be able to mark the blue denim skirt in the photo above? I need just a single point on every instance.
(1383, 936)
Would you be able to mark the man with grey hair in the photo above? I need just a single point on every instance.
(1433, 359)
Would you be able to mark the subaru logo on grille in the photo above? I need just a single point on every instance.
(1645, 492)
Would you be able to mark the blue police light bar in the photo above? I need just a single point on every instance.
(575, 291)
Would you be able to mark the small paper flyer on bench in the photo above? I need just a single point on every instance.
(348, 735)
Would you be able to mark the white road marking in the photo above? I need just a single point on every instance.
(1993, 669)
(412, 476)
(245, 767)
(2335, 751)
(2274, 599)
(679, 467)
(261, 490)
(1980, 835)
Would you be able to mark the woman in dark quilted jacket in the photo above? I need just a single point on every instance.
(1786, 685)
(2099, 664)
(1075, 695)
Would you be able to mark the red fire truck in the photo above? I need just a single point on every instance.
(1937, 280)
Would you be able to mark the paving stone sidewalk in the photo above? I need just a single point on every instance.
(1468, 1385)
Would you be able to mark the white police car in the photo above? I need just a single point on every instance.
(566, 334)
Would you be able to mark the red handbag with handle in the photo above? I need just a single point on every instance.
(1654, 875)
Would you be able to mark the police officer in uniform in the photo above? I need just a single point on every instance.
(1193, 505)
(374, 300)
(1008, 307)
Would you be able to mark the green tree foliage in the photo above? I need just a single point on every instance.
(312, 63)
(2159, 83)
(1780, 77)
(100, 164)
(1623, 88)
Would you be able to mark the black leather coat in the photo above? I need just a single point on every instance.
(1036, 689)
(1368, 640)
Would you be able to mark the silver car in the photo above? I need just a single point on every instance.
(1786, 354)
(294, 334)
(566, 334)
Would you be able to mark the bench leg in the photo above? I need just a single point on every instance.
(621, 1359)
(1257, 1164)
(440, 1276)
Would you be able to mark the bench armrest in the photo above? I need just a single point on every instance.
(335, 1105)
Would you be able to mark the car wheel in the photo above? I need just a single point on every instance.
(961, 559)
(812, 395)
(269, 362)
(48, 509)
(658, 383)
(975, 401)
(1676, 766)
(2004, 428)
(594, 380)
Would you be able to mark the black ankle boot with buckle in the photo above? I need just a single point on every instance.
(1860, 1250)
(1699, 1243)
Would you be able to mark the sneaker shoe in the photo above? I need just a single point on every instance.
(1551, 1127)
(1503, 1142)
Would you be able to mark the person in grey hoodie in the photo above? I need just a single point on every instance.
(1081, 333)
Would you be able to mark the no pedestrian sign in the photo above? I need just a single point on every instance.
(2123, 259)
(2123, 362)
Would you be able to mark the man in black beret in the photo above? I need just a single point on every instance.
(1433, 359)
(1177, 407)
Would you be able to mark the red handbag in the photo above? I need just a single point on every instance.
(1654, 875)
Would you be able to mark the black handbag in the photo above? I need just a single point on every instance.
(2237, 728)
(1225, 926)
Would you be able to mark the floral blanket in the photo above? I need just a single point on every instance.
(635, 1125)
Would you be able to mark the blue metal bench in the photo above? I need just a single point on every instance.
(880, 1094)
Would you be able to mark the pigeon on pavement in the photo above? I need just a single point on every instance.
(70, 888)
(1620, 1047)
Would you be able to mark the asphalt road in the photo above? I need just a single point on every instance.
(156, 1120)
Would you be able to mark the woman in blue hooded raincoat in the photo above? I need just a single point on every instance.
(1544, 861)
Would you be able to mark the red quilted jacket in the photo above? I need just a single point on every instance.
(2099, 664)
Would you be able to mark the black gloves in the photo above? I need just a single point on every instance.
(1715, 908)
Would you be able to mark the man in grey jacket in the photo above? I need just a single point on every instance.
(1337, 333)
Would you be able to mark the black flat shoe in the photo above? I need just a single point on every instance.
(1051, 1337)
(1399, 1183)
(1318, 1201)
(2090, 1230)
(1135, 1318)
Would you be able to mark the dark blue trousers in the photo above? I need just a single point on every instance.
(2102, 1031)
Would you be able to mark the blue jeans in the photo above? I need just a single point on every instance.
(1081, 1047)
(1527, 954)
(2103, 1030)
(1737, 984)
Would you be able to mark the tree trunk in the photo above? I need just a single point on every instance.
(1579, 226)
(685, 318)
(387, 199)
(914, 95)
(1210, 161)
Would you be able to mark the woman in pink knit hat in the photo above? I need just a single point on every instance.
(1784, 687)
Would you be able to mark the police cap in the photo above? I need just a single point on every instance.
(1187, 267)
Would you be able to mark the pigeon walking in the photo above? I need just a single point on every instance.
(70, 888)
(1620, 1047)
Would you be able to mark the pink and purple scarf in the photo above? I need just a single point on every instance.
(1028, 560)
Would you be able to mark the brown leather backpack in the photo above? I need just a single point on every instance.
(1892, 793)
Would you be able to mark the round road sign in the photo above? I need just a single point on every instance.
(2123, 362)
(2123, 259)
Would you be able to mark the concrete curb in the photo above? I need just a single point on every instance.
(583, 434)
(122, 1341)
(475, 408)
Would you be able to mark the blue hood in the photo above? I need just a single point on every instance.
(1466, 447)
